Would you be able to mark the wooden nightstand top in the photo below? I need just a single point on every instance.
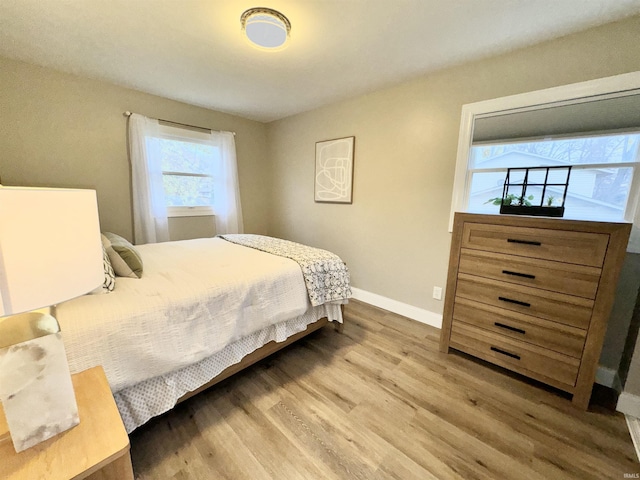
(96, 442)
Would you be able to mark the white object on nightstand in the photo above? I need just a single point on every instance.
(50, 252)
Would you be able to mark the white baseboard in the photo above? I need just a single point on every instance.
(609, 378)
(404, 309)
(634, 429)
(629, 404)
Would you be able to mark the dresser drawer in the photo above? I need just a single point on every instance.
(581, 248)
(557, 307)
(566, 278)
(552, 367)
(543, 333)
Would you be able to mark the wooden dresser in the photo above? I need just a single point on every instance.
(533, 295)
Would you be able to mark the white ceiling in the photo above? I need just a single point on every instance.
(193, 50)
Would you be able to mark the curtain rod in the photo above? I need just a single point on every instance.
(128, 114)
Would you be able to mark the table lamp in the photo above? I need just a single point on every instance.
(50, 251)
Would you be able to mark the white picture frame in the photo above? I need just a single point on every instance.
(334, 171)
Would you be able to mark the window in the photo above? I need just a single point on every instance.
(603, 170)
(187, 160)
(181, 171)
(593, 126)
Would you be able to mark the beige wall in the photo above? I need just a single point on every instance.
(66, 131)
(394, 237)
(184, 228)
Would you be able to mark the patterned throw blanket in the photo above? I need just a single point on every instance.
(325, 274)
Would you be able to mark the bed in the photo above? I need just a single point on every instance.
(202, 310)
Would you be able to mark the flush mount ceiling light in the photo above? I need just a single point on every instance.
(265, 28)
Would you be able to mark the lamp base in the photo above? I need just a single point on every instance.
(36, 390)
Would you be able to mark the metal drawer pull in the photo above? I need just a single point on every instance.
(504, 352)
(524, 242)
(517, 302)
(518, 274)
(509, 327)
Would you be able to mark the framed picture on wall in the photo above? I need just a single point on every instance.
(334, 170)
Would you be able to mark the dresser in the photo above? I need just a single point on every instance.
(533, 295)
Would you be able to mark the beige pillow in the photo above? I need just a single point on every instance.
(125, 259)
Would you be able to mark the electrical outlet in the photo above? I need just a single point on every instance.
(437, 293)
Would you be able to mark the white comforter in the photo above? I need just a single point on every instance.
(194, 298)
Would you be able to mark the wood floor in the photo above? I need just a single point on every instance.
(380, 402)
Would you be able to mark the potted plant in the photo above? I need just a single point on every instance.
(523, 202)
(511, 199)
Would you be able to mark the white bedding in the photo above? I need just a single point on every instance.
(145, 400)
(220, 292)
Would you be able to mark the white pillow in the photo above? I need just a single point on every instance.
(125, 259)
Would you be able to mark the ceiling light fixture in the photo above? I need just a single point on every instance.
(265, 28)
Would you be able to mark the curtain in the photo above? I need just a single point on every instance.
(150, 223)
(227, 207)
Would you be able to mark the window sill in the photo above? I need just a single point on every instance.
(190, 212)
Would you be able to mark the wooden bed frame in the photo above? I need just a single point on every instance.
(263, 352)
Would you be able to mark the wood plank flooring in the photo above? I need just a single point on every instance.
(380, 402)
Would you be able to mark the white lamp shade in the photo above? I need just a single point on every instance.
(50, 247)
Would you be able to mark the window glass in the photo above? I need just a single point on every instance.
(603, 168)
(188, 191)
(187, 168)
(186, 157)
(620, 148)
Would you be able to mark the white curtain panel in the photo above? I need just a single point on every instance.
(150, 223)
(227, 207)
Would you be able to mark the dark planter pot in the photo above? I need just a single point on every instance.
(534, 211)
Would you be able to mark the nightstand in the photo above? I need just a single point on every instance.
(97, 448)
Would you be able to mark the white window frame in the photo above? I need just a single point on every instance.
(169, 132)
(618, 85)
(185, 211)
